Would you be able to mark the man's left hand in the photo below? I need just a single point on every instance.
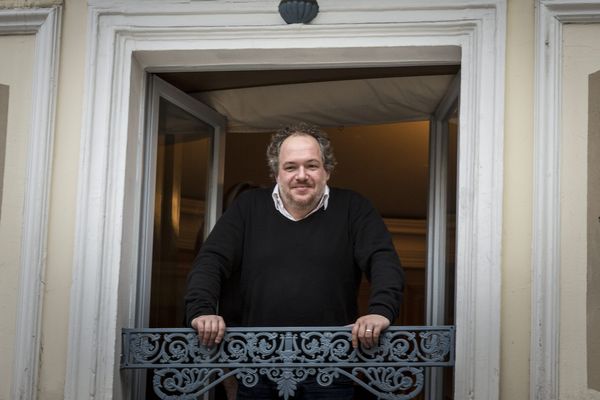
(367, 328)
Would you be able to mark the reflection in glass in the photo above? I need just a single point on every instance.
(182, 168)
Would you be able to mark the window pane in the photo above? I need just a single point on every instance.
(182, 167)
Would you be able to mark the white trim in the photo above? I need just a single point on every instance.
(545, 328)
(228, 35)
(45, 24)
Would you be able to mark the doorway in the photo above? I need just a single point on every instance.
(388, 163)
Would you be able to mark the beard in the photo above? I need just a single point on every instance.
(302, 203)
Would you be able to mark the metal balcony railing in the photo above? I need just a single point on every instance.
(185, 369)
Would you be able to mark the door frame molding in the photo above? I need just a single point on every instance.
(551, 15)
(127, 39)
(45, 24)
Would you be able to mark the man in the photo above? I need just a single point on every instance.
(301, 249)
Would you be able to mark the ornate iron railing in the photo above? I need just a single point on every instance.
(185, 369)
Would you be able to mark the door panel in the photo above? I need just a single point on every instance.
(183, 181)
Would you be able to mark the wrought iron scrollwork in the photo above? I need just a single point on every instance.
(184, 369)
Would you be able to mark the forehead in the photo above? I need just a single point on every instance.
(299, 148)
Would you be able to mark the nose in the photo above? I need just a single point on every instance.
(301, 175)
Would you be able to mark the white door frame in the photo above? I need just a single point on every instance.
(126, 39)
(545, 321)
(44, 23)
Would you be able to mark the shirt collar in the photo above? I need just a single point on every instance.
(324, 202)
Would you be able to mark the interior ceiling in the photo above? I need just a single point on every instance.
(263, 101)
(193, 82)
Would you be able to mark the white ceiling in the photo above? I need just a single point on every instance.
(329, 104)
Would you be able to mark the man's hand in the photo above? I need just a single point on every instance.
(367, 328)
(210, 328)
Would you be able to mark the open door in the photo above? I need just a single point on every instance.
(180, 207)
(441, 229)
(183, 185)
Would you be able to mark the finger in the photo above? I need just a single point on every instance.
(205, 331)
(376, 333)
(221, 331)
(196, 326)
(214, 329)
(199, 325)
(200, 329)
(208, 332)
(368, 336)
(355, 335)
(362, 335)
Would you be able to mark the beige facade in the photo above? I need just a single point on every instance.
(581, 58)
(15, 76)
(516, 238)
(55, 320)
(593, 234)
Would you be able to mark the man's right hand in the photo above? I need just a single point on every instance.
(210, 328)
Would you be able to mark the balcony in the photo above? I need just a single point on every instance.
(185, 369)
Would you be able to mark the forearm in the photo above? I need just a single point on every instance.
(202, 296)
(387, 285)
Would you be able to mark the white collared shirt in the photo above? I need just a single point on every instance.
(281, 208)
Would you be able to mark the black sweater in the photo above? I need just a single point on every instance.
(297, 273)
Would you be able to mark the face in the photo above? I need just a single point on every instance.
(301, 176)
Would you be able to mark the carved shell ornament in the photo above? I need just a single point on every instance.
(298, 11)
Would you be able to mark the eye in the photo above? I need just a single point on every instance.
(289, 168)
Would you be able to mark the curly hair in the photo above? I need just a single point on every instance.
(300, 129)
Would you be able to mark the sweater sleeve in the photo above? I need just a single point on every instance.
(376, 256)
(219, 255)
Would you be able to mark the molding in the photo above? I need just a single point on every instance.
(229, 34)
(402, 226)
(45, 24)
(545, 329)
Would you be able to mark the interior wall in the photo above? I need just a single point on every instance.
(517, 211)
(581, 57)
(62, 209)
(16, 73)
(386, 163)
(593, 234)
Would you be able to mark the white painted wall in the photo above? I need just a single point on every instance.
(581, 50)
(16, 72)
